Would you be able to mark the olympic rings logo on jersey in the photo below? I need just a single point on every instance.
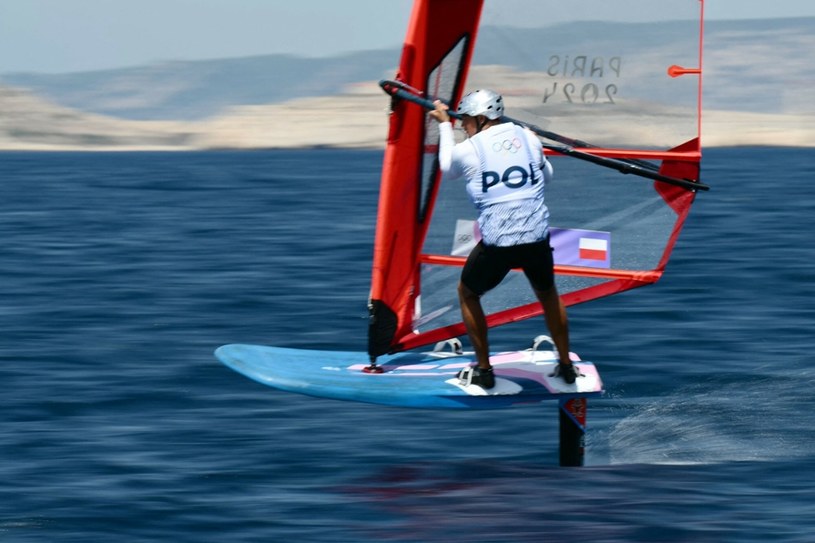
(507, 146)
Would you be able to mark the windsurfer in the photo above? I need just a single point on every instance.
(505, 170)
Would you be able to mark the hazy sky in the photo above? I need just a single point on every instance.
(73, 35)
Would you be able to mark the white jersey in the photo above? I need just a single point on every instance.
(506, 172)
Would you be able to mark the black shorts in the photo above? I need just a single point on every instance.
(487, 266)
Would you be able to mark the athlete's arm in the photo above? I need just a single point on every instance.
(446, 144)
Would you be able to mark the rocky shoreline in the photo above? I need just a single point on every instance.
(357, 119)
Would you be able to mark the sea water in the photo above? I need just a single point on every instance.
(122, 272)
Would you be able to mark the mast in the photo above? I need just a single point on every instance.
(436, 56)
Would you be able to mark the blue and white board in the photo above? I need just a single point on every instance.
(411, 379)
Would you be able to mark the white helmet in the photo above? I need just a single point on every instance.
(482, 102)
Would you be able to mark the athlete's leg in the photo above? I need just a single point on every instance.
(556, 320)
(539, 269)
(476, 324)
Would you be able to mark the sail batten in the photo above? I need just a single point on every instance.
(611, 232)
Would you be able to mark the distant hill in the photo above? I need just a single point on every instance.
(758, 75)
(199, 89)
(758, 65)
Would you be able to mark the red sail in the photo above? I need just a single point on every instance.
(636, 100)
(435, 58)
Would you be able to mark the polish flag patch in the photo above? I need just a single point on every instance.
(585, 248)
(593, 249)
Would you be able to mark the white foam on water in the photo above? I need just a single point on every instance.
(707, 424)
